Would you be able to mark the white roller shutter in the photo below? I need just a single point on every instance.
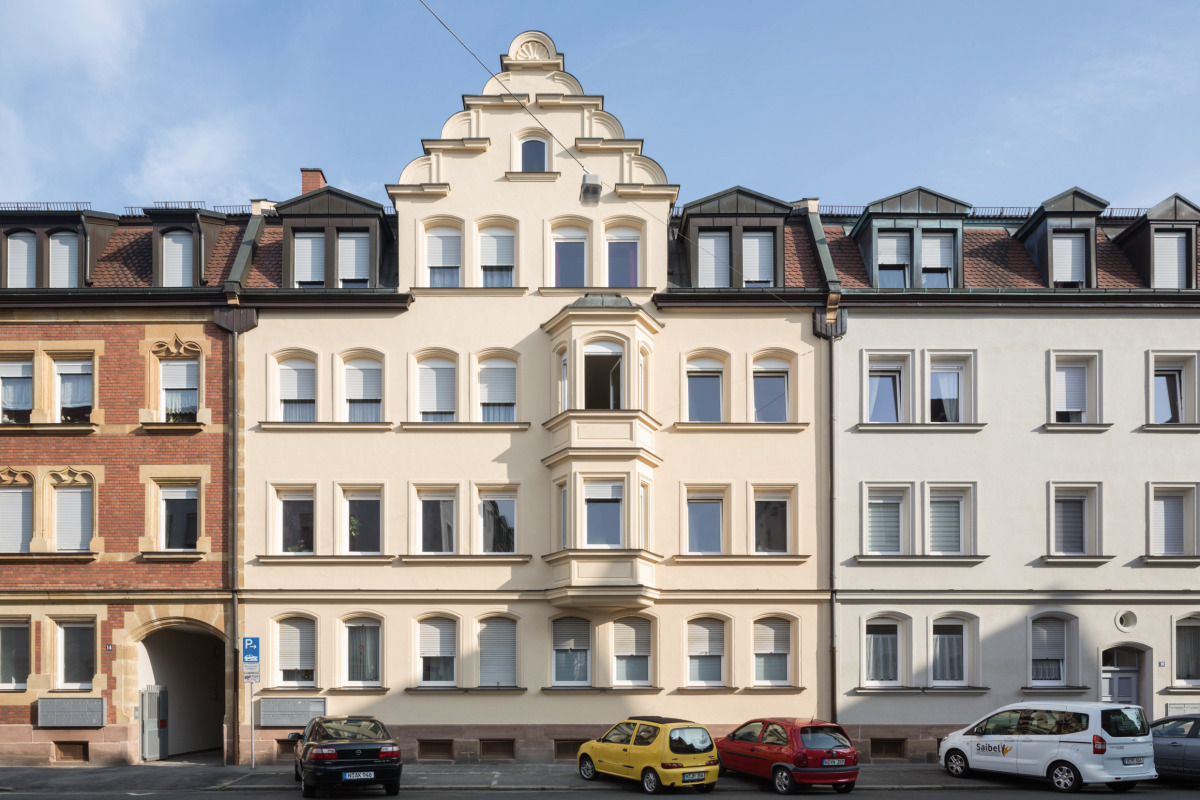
(883, 526)
(937, 250)
(603, 490)
(498, 652)
(177, 258)
(1070, 258)
(758, 258)
(631, 637)
(297, 380)
(364, 380)
(180, 375)
(1168, 525)
(706, 637)
(1070, 387)
(893, 248)
(309, 258)
(497, 247)
(437, 385)
(73, 518)
(772, 635)
(714, 259)
(1068, 526)
(297, 644)
(22, 261)
(572, 633)
(1170, 260)
(438, 638)
(1049, 639)
(497, 381)
(16, 519)
(64, 261)
(354, 256)
(443, 247)
(945, 526)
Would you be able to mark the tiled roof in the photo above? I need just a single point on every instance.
(267, 270)
(126, 261)
(800, 265)
(223, 255)
(846, 259)
(993, 259)
(1113, 270)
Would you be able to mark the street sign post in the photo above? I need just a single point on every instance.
(250, 675)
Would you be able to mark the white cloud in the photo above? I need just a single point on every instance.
(18, 177)
(206, 159)
(101, 38)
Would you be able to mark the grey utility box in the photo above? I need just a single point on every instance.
(72, 712)
(289, 712)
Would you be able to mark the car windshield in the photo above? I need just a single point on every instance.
(687, 741)
(1127, 721)
(353, 729)
(823, 738)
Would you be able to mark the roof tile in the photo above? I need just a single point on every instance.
(267, 270)
(847, 260)
(994, 260)
(1113, 270)
(800, 265)
(127, 260)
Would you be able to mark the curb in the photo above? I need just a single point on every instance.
(421, 787)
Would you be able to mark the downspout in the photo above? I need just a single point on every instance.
(200, 281)
(87, 251)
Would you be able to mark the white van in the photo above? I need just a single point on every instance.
(1071, 744)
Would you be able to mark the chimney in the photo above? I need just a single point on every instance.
(311, 179)
(259, 207)
(808, 205)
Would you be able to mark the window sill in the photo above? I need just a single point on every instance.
(57, 428)
(633, 689)
(1180, 690)
(308, 690)
(61, 690)
(887, 690)
(1077, 561)
(472, 427)
(600, 553)
(914, 559)
(1176, 427)
(495, 690)
(1055, 689)
(920, 427)
(532, 176)
(469, 291)
(716, 558)
(80, 557)
(435, 690)
(956, 689)
(707, 689)
(173, 427)
(1076, 427)
(773, 689)
(466, 558)
(326, 426)
(308, 558)
(1171, 561)
(172, 557)
(740, 427)
(573, 689)
(358, 690)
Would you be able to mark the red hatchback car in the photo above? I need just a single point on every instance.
(791, 752)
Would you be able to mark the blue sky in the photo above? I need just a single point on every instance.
(125, 103)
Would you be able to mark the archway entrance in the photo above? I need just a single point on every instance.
(1122, 670)
(181, 673)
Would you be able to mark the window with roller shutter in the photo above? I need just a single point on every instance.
(631, 652)
(1048, 651)
(297, 652)
(498, 652)
(892, 260)
(885, 521)
(1167, 534)
(945, 525)
(713, 254)
(16, 519)
(308, 254)
(436, 390)
(1170, 260)
(180, 388)
(772, 651)
(497, 256)
(177, 259)
(364, 390)
(1069, 254)
(64, 260)
(297, 390)
(443, 256)
(1070, 536)
(572, 643)
(497, 390)
(937, 260)
(439, 648)
(354, 260)
(1070, 393)
(758, 259)
(73, 518)
(22, 260)
(706, 652)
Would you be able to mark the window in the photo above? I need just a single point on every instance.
(1187, 652)
(74, 390)
(364, 390)
(886, 512)
(177, 259)
(1048, 647)
(772, 651)
(180, 384)
(603, 512)
(297, 652)
(16, 392)
(564, 394)
(771, 390)
(297, 390)
(73, 518)
(16, 519)
(437, 522)
(706, 652)
(497, 390)
(497, 256)
(623, 245)
(758, 259)
(1070, 393)
(354, 260)
(439, 645)
(893, 260)
(498, 519)
(533, 155)
(631, 652)
(949, 653)
(1170, 260)
(1171, 521)
(14, 655)
(947, 509)
(309, 258)
(296, 521)
(713, 260)
(1168, 396)
(498, 652)
(572, 645)
(602, 364)
(887, 389)
(937, 256)
(179, 517)
(1069, 254)
(570, 257)
(363, 521)
(1076, 520)
(22, 260)
(64, 261)
(437, 391)
(946, 392)
(705, 522)
(76, 655)
(563, 514)
(704, 389)
(443, 256)
(882, 653)
(362, 652)
(770, 523)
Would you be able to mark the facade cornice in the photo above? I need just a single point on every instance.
(327, 298)
(468, 145)
(648, 191)
(768, 299)
(1033, 298)
(396, 190)
(596, 144)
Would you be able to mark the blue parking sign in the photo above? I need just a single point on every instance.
(249, 649)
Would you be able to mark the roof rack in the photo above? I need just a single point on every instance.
(42, 205)
(232, 209)
(841, 211)
(1123, 212)
(198, 205)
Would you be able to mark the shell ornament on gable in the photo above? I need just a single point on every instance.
(532, 51)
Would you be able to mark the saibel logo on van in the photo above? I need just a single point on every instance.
(993, 749)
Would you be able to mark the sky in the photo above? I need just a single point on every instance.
(131, 102)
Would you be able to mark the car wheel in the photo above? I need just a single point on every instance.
(1121, 787)
(307, 789)
(1065, 778)
(587, 770)
(650, 782)
(705, 788)
(844, 788)
(782, 780)
(392, 789)
(956, 764)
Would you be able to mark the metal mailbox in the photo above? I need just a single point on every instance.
(72, 712)
(289, 712)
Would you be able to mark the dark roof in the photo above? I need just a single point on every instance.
(602, 301)
(738, 200)
(127, 261)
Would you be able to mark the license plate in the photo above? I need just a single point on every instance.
(688, 777)
(833, 762)
(357, 776)
(1132, 762)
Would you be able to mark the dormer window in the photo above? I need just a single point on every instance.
(533, 155)
(310, 260)
(22, 260)
(758, 259)
(64, 261)
(1170, 260)
(1070, 260)
(177, 258)
(354, 260)
(937, 260)
(892, 263)
(714, 260)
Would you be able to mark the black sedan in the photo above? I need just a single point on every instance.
(346, 751)
(1177, 747)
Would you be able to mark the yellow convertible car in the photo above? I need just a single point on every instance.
(656, 751)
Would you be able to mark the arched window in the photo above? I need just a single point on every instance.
(949, 655)
(706, 652)
(498, 390)
(771, 390)
(570, 256)
(177, 258)
(64, 260)
(439, 649)
(704, 389)
(297, 659)
(297, 390)
(882, 652)
(22, 260)
(533, 155)
(1048, 651)
(572, 641)
(437, 396)
(602, 367)
(362, 652)
(631, 652)
(772, 651)
(364, 390)
(443, 256)
(497, 256)
(623, 245)
(497, 652)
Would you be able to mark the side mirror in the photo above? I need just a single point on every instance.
(978, 730)
(295, 737)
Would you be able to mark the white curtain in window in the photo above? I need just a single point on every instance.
(1170, 260)
(64, 261)
(364, 390)
(73, 518)
(439, 645)
(309, 258)
(75, 383)
(882, 652)
(297, 645)
(1168, 525)
(362, 651)
(945, 388)
(758, 258)
(948, 652)
(179, 382)
(22, 261)
(498, 652)
(893, 248)
(945, 526)
(16, 385)
(714, 259)
(1187, 652)
(16, 519)
(1070, 257)
(354, 256)
(1049, 644)
(437, 393)
(177, 258)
